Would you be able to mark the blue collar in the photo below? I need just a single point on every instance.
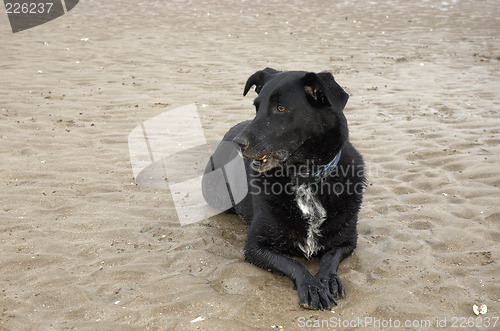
(323, 173)
(327, 170)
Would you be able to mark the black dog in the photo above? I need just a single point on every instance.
(304, 180)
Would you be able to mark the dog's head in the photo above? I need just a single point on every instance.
(293, 107)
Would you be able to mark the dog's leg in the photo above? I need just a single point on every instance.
(312, 293)
(327, 273)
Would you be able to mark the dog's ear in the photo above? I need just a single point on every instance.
(315, 91)
(337, 96)
(259, 79)
(322, 90)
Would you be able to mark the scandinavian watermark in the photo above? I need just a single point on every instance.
(170, 152)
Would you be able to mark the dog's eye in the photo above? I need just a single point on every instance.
(280, 108)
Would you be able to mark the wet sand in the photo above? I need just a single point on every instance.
(82, 246)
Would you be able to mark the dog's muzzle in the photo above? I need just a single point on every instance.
(241, 143)
(262, 162)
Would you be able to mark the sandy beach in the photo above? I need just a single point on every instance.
(83, 246)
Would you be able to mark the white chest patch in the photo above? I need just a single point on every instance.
(315, 214)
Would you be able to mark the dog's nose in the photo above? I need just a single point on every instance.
(241, 143)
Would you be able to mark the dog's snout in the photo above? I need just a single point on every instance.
(241, 142)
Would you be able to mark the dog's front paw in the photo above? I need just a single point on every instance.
(313, 295)
(332, 283)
